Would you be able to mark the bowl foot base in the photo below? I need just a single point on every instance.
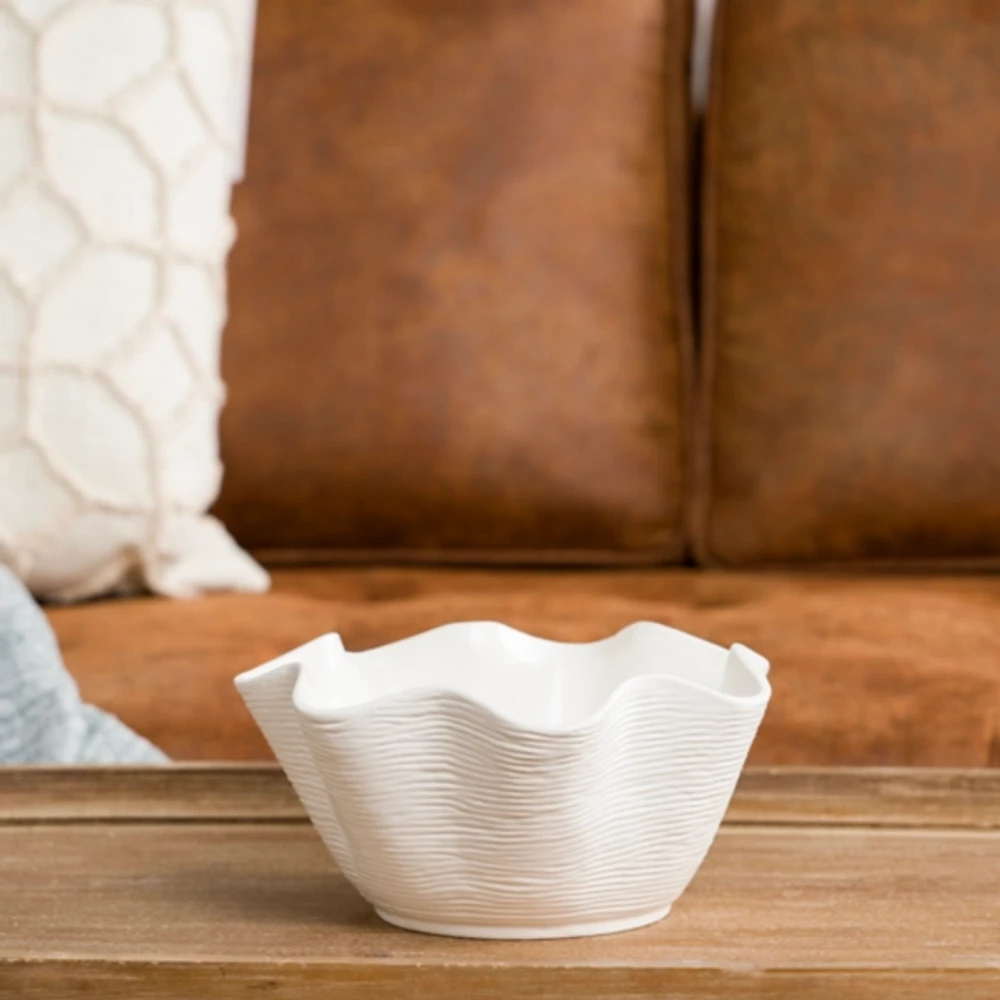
(522, 933)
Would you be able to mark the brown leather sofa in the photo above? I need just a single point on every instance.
(509, 340)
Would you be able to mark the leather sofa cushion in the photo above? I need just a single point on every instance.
(865, 670)
(851, 321)
(459, 322)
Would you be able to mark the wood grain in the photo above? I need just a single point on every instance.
(228, 793)
(891, 796)
(902, 901)
(234, 793)
(218, 981)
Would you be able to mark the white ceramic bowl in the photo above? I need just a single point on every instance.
(477, 781)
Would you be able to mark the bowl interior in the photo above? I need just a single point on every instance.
(536, 683)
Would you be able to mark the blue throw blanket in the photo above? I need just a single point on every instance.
(42, 720)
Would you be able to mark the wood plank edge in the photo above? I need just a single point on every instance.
(212, 792)
(485, 979)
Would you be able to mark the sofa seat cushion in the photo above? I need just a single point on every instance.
(866, 670)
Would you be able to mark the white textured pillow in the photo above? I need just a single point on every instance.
(117, 152)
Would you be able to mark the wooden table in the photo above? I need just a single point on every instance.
(207, 882)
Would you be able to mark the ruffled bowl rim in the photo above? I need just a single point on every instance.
(754, 666)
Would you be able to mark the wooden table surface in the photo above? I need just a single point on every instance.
(207, 882)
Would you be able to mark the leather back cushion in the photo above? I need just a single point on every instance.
(852, 293)
(459, 297)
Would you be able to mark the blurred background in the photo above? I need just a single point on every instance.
(567, 313)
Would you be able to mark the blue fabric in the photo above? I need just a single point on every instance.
(42, 719)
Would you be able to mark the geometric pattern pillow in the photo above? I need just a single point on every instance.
(117, 148)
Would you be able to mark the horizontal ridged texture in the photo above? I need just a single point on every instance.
(270, 704)
(440, 812)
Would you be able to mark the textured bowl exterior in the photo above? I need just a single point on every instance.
(448, 818)
(454, 817)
